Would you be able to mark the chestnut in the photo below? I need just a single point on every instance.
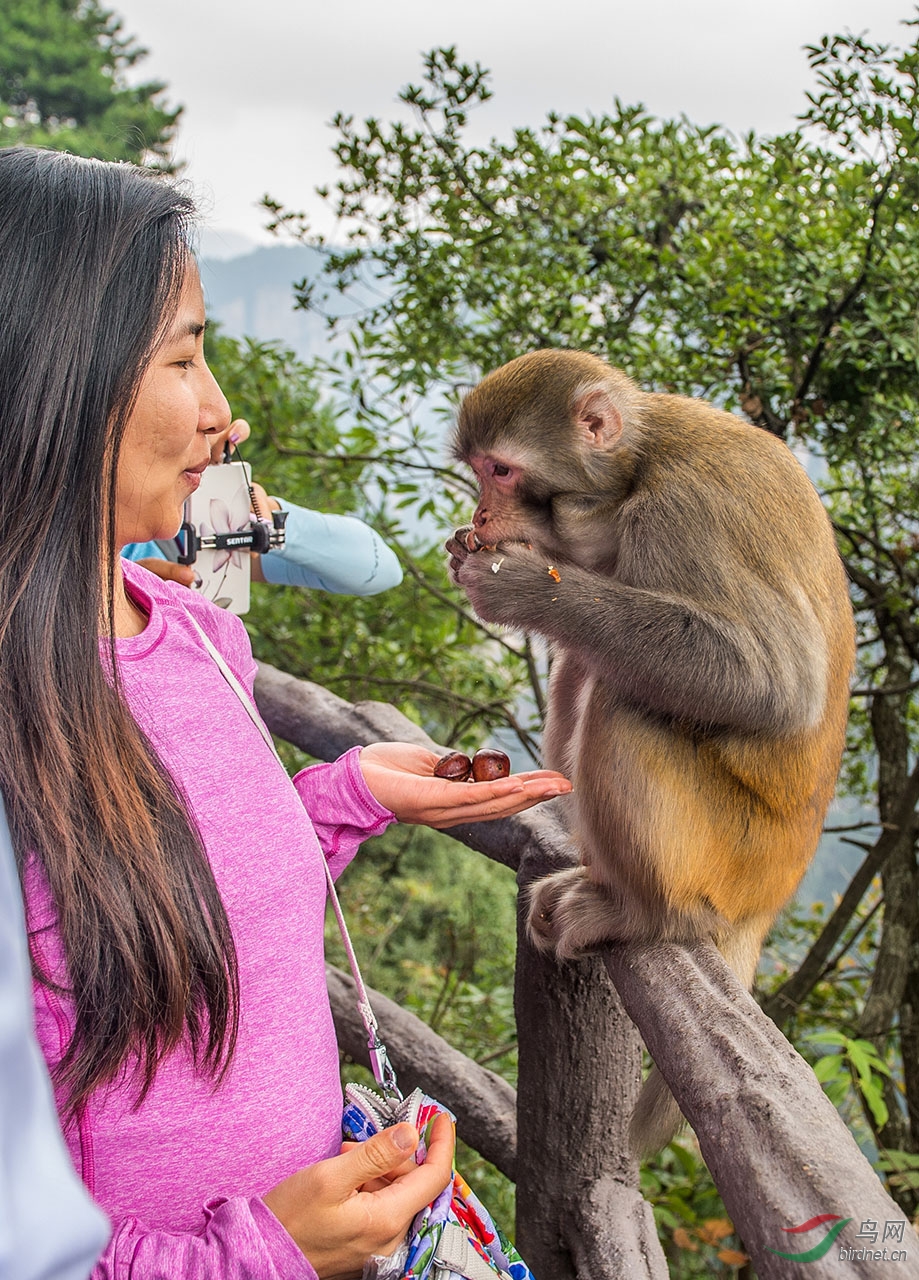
(455, 767)
(489, 764)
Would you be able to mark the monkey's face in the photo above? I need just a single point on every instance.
(543, 435)
(544, 504)
(513, 506)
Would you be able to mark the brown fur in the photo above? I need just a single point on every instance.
(702, 643)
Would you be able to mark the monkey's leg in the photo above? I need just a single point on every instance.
(570, 915)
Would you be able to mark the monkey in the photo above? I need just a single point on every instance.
(685, 573)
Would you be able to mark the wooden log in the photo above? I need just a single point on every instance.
(777, 1148)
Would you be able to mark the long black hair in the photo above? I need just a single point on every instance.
(92, 261)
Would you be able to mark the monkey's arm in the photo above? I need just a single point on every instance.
(759, 664)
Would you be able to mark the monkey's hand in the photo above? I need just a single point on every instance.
(461, 545)
(500, 581)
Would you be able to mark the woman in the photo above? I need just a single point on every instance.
(172, 875)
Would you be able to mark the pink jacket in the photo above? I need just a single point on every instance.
(181, 1176)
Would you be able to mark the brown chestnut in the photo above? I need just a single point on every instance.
(488, 765)
(455, 767)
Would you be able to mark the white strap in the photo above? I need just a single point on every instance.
(383, 1070)
(455, 1256)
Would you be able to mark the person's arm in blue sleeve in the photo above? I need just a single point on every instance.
(49, 1227)
(143, 551)
(340, 554)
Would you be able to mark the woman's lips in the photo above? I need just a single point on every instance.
(193, 474)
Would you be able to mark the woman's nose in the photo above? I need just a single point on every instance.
(214, 414)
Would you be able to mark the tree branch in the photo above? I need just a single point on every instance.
(839, 309)
(776, 1146)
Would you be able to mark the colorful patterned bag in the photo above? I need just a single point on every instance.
(454, 1237)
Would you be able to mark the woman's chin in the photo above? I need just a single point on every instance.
(163, 529)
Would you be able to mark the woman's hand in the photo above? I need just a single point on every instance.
(169, 571)
(361, 1203)
(401, 778)
(238, 431)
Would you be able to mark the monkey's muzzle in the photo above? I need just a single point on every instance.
(474, 542)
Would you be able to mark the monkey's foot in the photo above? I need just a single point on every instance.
(570, 916)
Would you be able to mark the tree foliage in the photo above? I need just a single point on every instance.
(775, 275)
(64, 84)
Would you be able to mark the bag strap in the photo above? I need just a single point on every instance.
(383, 1070)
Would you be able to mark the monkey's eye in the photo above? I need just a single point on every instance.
(493, 469)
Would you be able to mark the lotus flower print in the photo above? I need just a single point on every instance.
(232, 517)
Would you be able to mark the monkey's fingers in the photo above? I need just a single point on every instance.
(459, 542)
(460, 546)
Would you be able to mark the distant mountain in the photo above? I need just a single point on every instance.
(219, 242)
(251, 295)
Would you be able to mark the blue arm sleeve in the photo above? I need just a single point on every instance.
(49, 1227)
(333, 553)
(142, 551)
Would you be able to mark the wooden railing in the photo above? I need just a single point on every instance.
(776, 1147)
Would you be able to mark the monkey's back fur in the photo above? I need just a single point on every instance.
(702, 642)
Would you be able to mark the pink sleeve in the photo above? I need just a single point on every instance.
(341, 807)
(335, 795)
(241, 1240)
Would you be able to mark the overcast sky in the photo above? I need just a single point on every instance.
(261, 79)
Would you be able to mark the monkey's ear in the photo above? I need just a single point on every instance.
(597, 420)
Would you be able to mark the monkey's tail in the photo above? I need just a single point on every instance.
(657, 1119)
(742, 945)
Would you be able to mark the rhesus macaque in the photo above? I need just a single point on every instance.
(685, 572)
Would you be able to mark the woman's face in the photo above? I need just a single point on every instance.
(166, 443)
